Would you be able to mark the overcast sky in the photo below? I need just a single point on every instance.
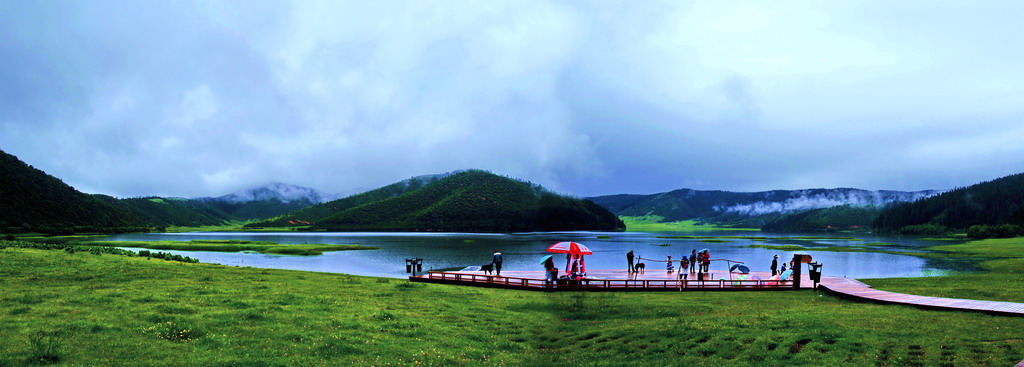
(179, 98)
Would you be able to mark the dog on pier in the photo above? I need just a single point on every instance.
(639, 267)
(487, 268)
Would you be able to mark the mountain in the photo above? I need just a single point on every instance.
(277, 191)
(466, 201)
(267, 201)
(33, 201)
(999, 202)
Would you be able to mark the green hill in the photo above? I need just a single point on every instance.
(999, 202)
(33, 201)
(469, 201)
(159, 212)
(317, 213)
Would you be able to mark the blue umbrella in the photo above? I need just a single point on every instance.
(742, 268)
(545, 258)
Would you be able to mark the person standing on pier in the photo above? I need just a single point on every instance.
(550, 271)
(629, 259)
(775, 265)
(668, 265)
(497, 263)
(693, 261)
(707, 261)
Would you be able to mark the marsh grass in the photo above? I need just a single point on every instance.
(266, 247)
(128, 311)
(46, 346)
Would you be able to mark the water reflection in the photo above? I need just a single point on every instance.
(522, 251)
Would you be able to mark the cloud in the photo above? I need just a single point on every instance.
(588, 98)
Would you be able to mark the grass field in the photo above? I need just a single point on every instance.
(106, 310)
(653, 223)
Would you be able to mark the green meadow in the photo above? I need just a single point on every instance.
(89, 309)
(653, 223)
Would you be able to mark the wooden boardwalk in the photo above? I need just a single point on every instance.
(654, 280)
(612, 280)
(854, 289)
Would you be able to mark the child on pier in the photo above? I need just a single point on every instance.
(668, 265)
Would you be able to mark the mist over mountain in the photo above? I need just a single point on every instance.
(726, 206)
(803, 200)
(285, 193)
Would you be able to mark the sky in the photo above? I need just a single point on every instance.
(203, 98)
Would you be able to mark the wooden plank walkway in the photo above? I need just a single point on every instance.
(654, 280)
(611, 280)
(854, 289)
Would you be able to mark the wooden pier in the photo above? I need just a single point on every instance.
(620, 280)
(610, 280)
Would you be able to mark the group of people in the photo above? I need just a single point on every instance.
(575, 268)
(697, 262)
(775, 266)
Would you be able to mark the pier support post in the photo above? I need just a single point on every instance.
(798, 261)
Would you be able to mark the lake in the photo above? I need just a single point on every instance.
(522, 251)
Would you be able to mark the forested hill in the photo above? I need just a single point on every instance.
(33, 201)
(163, 212)
(468, 201)
(996, 202)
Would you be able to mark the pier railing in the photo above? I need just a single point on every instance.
(599, 284)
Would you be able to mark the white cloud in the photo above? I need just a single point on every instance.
(588, 98)
(197, 105)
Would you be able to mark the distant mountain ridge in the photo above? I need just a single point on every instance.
(726, 206)
(266, 201)
(285, 193)
(463, 201)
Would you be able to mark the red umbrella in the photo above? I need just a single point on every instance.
(572, 248)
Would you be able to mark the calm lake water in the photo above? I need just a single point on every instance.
(522, 251)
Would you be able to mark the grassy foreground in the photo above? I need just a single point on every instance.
(84, 309)
(265, 247)
(653, 223)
